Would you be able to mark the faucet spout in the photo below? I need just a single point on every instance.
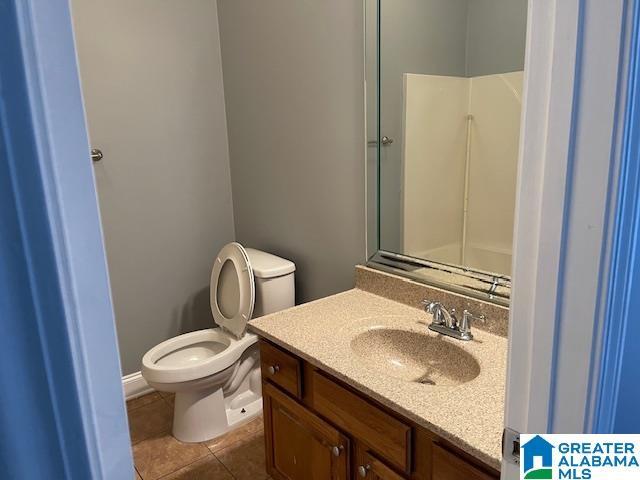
(441, 315)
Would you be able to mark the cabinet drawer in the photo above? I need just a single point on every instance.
(370, 468)
(448, 466)
(281, 368)
(387, 436)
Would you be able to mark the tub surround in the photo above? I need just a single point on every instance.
(469, 415)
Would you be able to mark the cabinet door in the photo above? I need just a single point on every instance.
(369, 467)
(447, 466)
(301, 446)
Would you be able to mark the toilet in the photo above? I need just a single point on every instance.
(215, 373)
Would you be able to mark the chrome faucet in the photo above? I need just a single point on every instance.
(441, 315)
(446, 321)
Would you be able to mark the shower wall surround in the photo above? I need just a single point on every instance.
(443, 123)
(468, 128)
(452, 38)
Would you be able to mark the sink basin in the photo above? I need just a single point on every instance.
(415, 357)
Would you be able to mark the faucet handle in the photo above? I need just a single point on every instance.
(428, 305)
(434, 309)
(467, 317)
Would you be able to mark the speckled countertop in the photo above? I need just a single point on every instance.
(470, 415)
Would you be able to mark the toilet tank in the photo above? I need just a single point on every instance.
(274, 280)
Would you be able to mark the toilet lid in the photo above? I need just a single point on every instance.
(232, 289)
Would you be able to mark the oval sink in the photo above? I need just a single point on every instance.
(415, 357)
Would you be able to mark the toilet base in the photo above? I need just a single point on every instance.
(204, 415)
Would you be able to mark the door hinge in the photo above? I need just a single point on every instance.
(511, 446)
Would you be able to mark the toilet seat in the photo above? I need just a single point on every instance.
(203, 353)
(193, 356)
(236, 282)
(215, 372)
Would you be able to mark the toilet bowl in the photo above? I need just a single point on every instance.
(215, 373)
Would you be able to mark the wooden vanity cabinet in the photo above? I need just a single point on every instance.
(281, 368)
(383, 433)
(447, 466)
(299, 445)
(318, 428)
(367, 466)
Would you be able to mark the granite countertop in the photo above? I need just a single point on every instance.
(469, 415)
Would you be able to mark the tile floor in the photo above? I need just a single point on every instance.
(238, 455)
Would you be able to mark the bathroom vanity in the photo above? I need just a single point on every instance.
(356, 386)
(319, 427)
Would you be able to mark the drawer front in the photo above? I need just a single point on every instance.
(387, 436)
(281, 368)
(448, 466)
(369, 467)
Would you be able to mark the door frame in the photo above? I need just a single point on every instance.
(78, 406)
(564, 235)
(617, 394)
(570, 154)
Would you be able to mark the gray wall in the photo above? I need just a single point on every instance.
(371, 85)
(293, 74)
(417, 36)
(152, 82)
(496, 36)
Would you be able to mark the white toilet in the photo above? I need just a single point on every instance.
(215, 373)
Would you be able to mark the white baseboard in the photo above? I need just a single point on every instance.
(135, 386)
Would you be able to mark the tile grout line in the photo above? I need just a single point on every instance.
(254, 432)
(166, 400)
(154, 402)
(184, 466)
(163, 432)
(250, 435)
(129, 409)
(222, 463)
(228, 446)
(179, 468)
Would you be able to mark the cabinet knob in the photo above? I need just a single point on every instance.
(363, 470)
(337, 450)
(273, 369)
